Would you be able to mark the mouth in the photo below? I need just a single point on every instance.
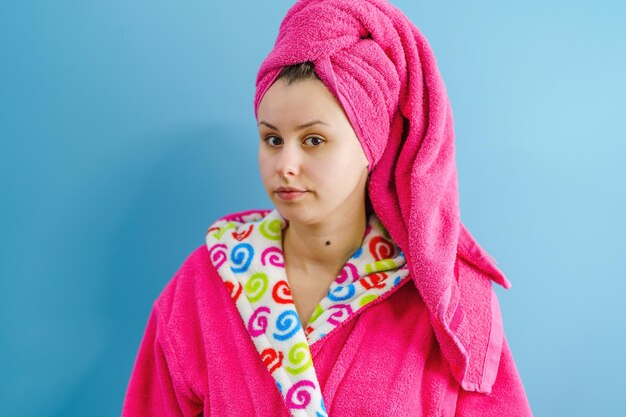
(289, 193)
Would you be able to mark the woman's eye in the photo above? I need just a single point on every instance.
(314, 141)
(273, 140)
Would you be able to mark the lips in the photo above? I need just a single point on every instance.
(289, 193)
(288, 190)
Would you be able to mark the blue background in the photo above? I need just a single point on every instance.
(127, 127)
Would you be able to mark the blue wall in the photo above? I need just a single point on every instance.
(126, 128)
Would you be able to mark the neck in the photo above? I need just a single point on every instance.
(324, 247)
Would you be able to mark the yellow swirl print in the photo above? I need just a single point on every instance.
(256, 286)
(300, 355)
(223, 229)
(382, 265)
(318, 310)
(271, 229)
(367, 299)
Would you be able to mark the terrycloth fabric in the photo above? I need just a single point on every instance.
(383, 72)
(247, 252)
(197, 358)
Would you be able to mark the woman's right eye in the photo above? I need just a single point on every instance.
(273, 140)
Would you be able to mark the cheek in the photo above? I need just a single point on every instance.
(348, 163)
(321, 176)
(334, 174)
(265, 169)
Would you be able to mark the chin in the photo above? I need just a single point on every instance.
(297, 213)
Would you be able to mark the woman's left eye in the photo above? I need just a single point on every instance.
(314, 140)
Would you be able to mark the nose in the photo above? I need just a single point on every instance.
(288, 161)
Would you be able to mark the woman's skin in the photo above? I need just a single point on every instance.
(325, 160)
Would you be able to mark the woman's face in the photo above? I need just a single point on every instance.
(307, 144)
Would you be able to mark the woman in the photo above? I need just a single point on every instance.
(361, 293)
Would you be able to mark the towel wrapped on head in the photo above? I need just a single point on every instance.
(383, 72)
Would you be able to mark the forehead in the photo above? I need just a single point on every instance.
(300, 100)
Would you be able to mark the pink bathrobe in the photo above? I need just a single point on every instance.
(197, 358)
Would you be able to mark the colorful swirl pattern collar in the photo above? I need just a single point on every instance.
(247, 253)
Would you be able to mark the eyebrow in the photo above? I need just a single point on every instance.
(302, 126)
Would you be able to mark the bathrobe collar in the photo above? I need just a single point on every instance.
(247, 253)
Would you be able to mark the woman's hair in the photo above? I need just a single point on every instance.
(306, 71)
(298, 72)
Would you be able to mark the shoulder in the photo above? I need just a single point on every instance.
(196, 280)
(193, 277)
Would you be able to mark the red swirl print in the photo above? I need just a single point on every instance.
(381, 248)
(349, 272)
(298, 396)
(273, 256)
(340, 313)
(244, 234)
(272, 359)
(234, 290)
(281, 292)
(374, 280)
(213, 229)
(258, 321)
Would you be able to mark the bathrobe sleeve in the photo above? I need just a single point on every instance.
(157, 387)
(507, 398)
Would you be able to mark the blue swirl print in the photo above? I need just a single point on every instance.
(323, 407)
(241, 256)
(287, 324)
(335, 294)
(396, 281)
(357, 254)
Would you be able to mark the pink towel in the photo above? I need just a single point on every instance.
(383, 72)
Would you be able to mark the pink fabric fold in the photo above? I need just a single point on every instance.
(383, 72)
